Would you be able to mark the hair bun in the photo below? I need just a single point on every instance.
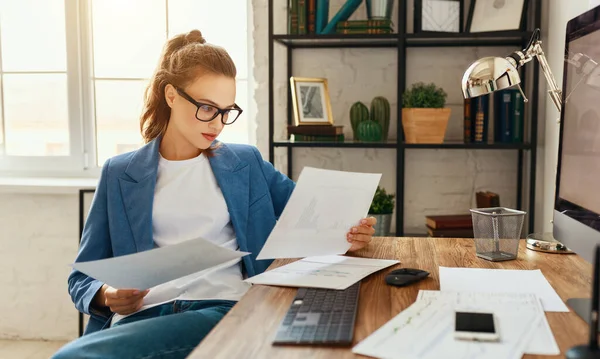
(194, 36)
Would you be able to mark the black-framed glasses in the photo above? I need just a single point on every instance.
(206, 112)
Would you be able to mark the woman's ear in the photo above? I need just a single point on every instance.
(170, 94)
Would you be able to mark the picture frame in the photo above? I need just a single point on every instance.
(438, 16)
(497, 15)
(311, 102)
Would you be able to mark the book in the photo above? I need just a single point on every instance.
(351, 24)
(517, 116)
(467, 126)
(318, 138)
(480, 118)
(487, 199)
(364, 31)
(293, 17)
(311, 15)
(302, 12)
(449, 221)
(315, 130)
(343, 14)
(451, 232)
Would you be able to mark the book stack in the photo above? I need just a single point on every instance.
(316, 133)
(383, 26)
(450, 226)
(312, 17)
(505, 107)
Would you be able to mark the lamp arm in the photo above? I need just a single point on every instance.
(555, 92)
(534, 49)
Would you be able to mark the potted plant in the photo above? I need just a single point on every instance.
(424, 117)
(382, 208)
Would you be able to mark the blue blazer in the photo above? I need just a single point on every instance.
(120, 218)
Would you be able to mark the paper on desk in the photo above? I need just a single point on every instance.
(541, 343)
(147, 269)
(334, 272)
(503, 281)
(425, 330)
(323, 207)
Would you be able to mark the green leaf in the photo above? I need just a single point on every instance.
(383, 203)
(421, 95)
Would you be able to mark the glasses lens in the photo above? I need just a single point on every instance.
(230, 116)
(206, 112)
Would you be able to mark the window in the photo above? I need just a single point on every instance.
(73, 74)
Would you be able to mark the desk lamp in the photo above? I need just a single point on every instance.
(492, 73)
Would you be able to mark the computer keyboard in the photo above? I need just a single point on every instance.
(320, 316)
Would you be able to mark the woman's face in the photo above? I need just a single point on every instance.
(211, 92)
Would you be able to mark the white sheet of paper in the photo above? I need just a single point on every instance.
(542, 343)
(334, 272)
(425, 330)
(150, 268)
(502, 281)
(323, 207)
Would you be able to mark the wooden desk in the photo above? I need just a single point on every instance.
(248, 329)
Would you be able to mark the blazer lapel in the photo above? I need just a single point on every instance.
(137, 190)
(233, 177)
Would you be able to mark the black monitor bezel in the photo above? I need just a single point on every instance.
(577, 27)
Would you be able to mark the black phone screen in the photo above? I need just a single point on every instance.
(474, 322)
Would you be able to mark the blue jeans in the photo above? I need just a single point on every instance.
(168, 331)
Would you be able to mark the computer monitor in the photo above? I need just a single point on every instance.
(577, 198)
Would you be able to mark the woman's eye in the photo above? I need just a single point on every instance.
(206, 108)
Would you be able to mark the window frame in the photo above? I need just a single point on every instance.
(81, 98)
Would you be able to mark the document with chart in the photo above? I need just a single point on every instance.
(333, 272)
(323, 207)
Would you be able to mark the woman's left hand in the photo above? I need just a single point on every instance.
(362, 234)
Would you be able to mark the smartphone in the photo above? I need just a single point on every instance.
(476, 326)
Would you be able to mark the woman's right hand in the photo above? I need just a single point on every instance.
(120, 301)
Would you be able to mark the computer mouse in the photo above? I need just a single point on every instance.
(405, 276)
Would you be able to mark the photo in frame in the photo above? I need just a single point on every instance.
(496, 15)
(310, 99)
(438, 16)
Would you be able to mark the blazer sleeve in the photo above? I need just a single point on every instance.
(95, 244)
(280, 185)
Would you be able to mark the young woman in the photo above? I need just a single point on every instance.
(181, 185)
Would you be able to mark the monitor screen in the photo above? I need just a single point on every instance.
(578, 194)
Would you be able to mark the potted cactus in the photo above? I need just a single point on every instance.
(371, 127)
(424, 117)
(382, 208)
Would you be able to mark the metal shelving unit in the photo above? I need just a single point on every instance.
(402, 41)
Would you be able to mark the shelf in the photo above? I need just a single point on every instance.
(423, 39)
(338, 40)
(474, 146)
(499, 38)
(394, 144)
(348, 143)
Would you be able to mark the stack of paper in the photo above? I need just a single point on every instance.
(426, 328)
(334, 272)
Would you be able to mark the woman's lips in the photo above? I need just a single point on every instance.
(209, 136)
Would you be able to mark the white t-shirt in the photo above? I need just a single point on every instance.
(189, 204)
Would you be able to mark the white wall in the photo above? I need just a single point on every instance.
(38, 241)
(559, 14)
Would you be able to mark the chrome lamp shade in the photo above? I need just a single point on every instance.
(487, 75)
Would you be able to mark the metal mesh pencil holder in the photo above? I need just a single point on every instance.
(497, 232)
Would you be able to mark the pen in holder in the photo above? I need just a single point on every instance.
(497, 232)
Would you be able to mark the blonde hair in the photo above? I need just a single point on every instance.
(184, 57)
